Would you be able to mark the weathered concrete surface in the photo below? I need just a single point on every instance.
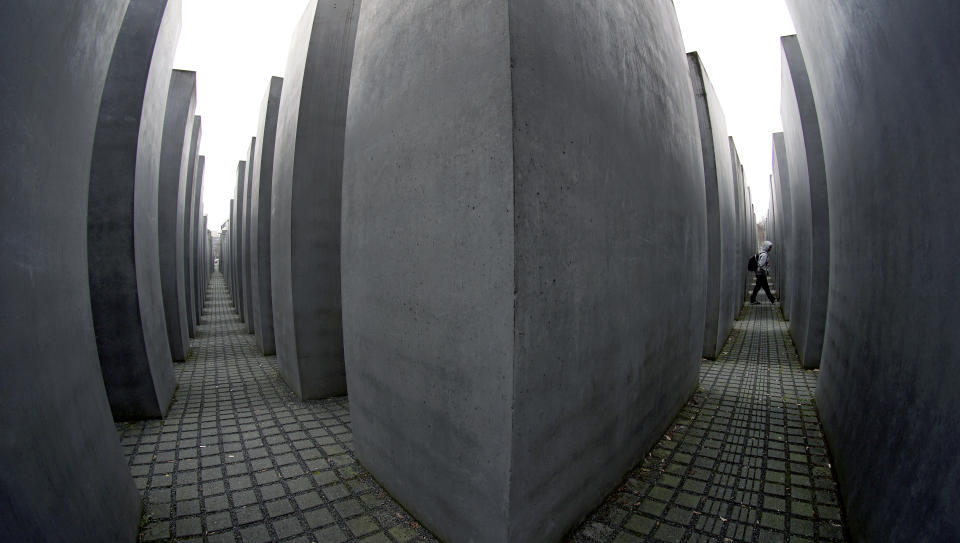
(63, 477)
(205, 269)
(784, 248)
(230, 248)
(509, 228)
(723, 268)
(307, 179)
(745, 279)
(122, 243)
(172, 207)
(191, 232)
(262, 188)
(884, 77)
(201, 168)
(810, 227)
(227, 259)
(247, 263)
(210, 260)
(199, 270)
(236, 228)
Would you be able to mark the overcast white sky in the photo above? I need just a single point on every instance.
(236, 45)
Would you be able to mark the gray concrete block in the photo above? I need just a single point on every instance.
(724, 267)
(201, 168)
(172, 207)
(247, 263)
(63, 476)
(191, 230)
(228, 248)
(784, 248)
(746, 278)
(307, 179)
(884, 78)
(206, 262)
(238, 237)
(262, 187)
(521, 319)
(199, 264)
(200, 251)
(808, 194)
(122, 243)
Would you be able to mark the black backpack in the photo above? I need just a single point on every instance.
(752, 263)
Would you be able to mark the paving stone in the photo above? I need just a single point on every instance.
(300, 484)
(802, 527)
(668, 533)
(335, 492)
(268, 476)
(272, 492)
(188, 526)
(349, 508)
(769, 536)
(156, 531)
(222, 537)
(641, 524)
(244, 497)
(402, 533)
(188, 508)
(363, 525)
(331, 534)
(288, 527)
(240, 483)
(218, 521)
(256, 534)
(279, 507)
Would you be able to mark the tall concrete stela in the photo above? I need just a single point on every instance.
(809, 217)
(122, 229)
(307, 179)
(513, 240)
(262, 194)
(63, 475)
(173, 208)
(884, 76)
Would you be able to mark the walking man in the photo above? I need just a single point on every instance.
(763, 268)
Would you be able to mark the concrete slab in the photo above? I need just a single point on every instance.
(723, 265)
(239, 237)
(173, 210)
(122, 230)
(63, 476)
(191, 230)
(745, 278)
(247, 263)
(199, 265)
(508, 229)
(228, 250)
(260, 283)
(884, 77)
(205, 269)
(810, 213)
(201, 168)
(307, 179)
(786, 250)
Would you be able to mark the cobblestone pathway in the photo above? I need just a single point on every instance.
(239, 458)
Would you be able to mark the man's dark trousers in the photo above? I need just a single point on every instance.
(761, 284)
